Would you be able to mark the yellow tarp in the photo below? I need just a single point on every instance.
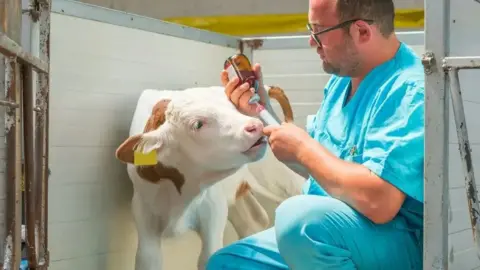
(245, 25)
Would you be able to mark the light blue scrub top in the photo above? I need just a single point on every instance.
(381, 127)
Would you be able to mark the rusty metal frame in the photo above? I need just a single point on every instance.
(19, 94)
(436, 167)
(452, 66)
(41, 134)
(8, 47)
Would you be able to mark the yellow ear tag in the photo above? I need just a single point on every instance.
(141, 159)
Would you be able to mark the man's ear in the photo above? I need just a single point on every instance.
(145, 143)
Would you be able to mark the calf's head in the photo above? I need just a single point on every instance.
(195, 132)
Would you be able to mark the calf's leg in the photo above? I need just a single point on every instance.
(149, 229)
(212, 216)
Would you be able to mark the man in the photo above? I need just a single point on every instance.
(362, 206)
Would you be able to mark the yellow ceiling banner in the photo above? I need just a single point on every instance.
(268, 24)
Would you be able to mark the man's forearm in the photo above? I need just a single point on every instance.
(332, 173)
(350, 182)
(294, 166)
(298, 168)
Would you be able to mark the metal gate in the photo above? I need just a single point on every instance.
(26, 132)
(450, 48)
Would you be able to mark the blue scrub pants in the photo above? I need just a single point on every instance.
(315, 232)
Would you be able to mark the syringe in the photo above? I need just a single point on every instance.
(265, 116)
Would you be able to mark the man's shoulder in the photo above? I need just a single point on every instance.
(407, 80)
(406, 83)
(409, 69)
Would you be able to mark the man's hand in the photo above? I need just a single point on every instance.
(287, 141)
(240, 95)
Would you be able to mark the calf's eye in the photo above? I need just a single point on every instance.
(197, 125)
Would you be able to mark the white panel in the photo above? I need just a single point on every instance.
(463, 21)
(98, 71)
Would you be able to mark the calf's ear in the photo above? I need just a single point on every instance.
(151, 139)
(144, 144)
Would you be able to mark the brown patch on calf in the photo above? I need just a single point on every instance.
(242, 190)
(158, 115)
(157, 172)
(279, 95)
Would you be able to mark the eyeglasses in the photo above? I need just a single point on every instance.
(315, 35)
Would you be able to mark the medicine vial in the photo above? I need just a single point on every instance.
(239, 66)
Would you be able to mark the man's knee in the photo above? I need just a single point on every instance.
(255, 252)
(219, 259)
(233, 256)
(300, 217)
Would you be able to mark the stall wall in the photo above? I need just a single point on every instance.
(462, 252)
(98, 70)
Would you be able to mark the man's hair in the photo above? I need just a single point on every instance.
(382, 12)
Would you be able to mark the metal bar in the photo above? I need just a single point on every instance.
(41, 135)
(13, 169)
(246, 50)
(11, 16)
(8, 47)
(35, 12)
(461, 62)
(9, 104)
(435, 235)
(91, 12)
(465, 153)
(28, 140)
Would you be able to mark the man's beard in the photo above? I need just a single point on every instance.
(348, 63)
(330, 69)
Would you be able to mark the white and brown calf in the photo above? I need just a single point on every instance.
(203, 145)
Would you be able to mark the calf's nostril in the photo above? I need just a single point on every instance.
(254, 126)
(251, 128)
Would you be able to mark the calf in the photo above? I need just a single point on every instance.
(200, 146)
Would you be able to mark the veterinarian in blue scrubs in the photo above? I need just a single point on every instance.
(362, 206)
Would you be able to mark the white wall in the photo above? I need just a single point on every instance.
(97, 73)
(462, 42)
